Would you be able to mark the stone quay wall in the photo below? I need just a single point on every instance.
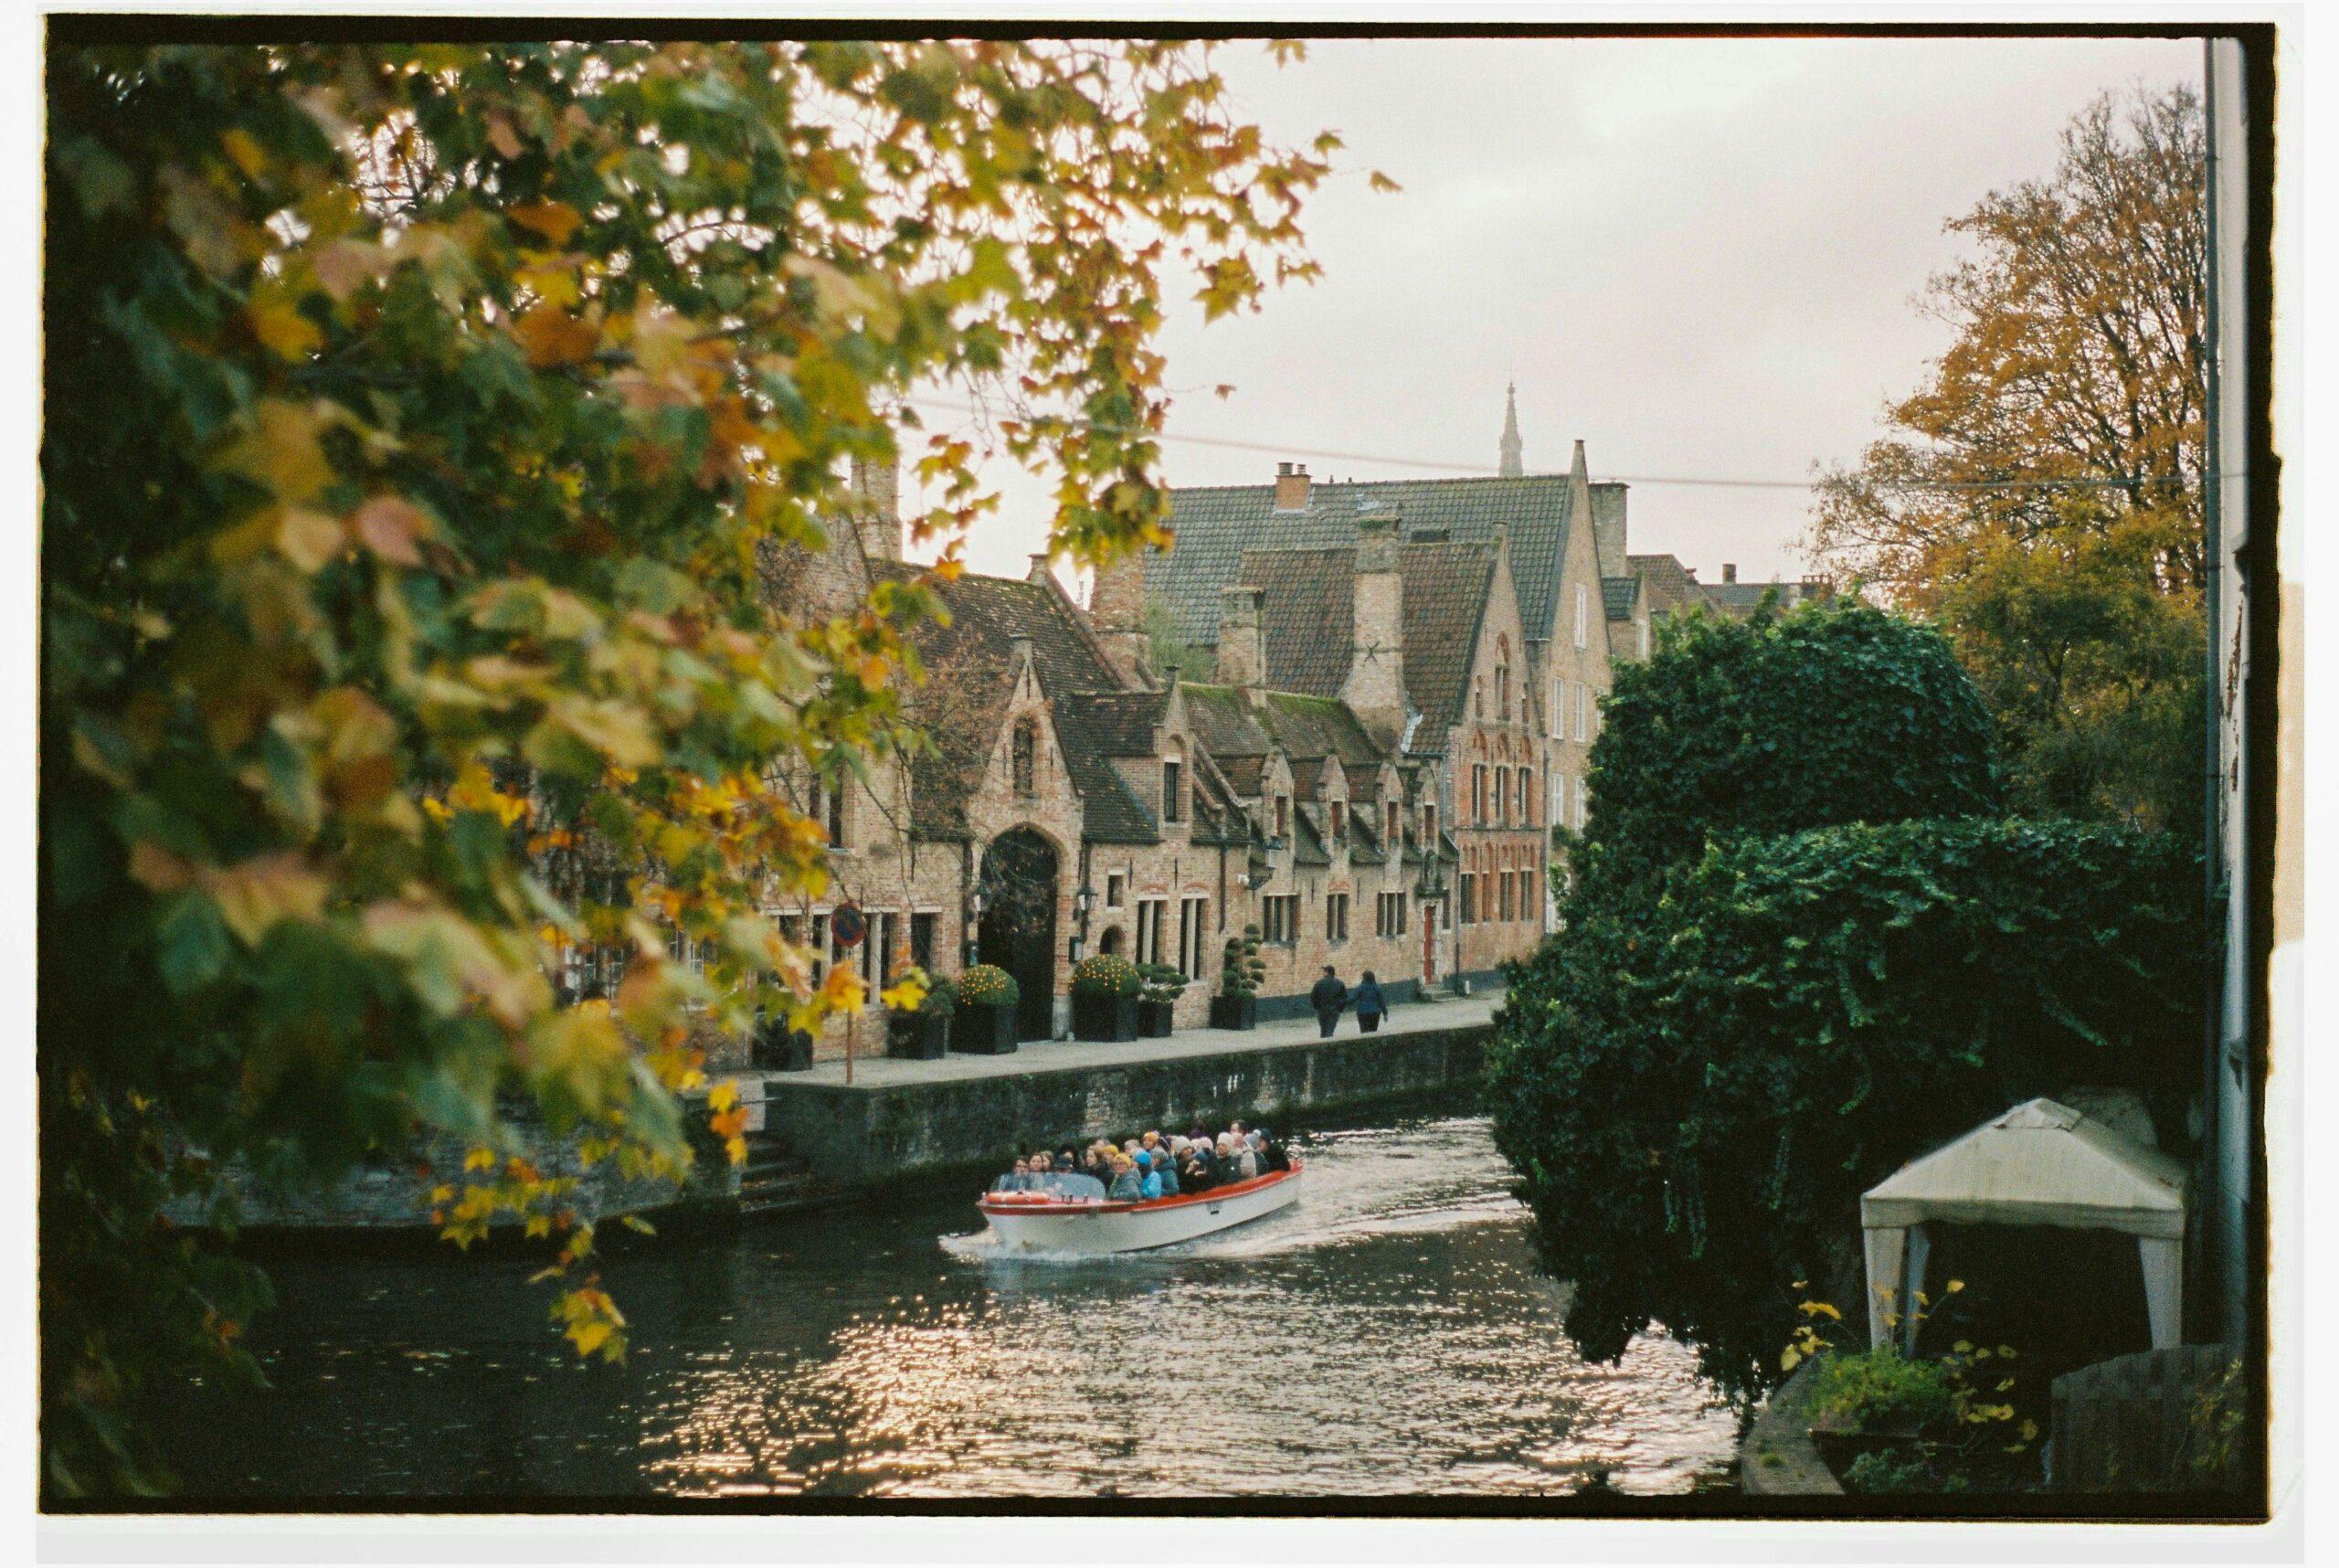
(866, 1137)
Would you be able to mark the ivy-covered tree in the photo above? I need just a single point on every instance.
(1763, 1002)
(1839, 713)
(417, 419)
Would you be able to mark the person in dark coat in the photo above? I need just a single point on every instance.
(1328, 997)
(1368, 1006)
(1196, 1175)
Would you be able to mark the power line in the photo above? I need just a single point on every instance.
(1484, 471)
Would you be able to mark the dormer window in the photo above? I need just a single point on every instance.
(1392, 824)
(1502, 680)
(1173, 785)
(1282, 816)
(1023, 754)
(1340, 820)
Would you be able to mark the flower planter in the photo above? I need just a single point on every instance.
(1838, 1449)
(1106, 1018)
(917, 1036)
(1156, 1019)
(1234, 1012)
(781, 1050)
(977, 1029)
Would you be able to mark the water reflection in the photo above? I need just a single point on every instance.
(1386, 1335)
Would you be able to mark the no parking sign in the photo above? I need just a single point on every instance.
(849, 924)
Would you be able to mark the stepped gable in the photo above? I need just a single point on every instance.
(1216, 525)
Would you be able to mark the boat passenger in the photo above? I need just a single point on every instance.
(1195, 1175)
(1165, 1168)
(1236, 1158)
(1124, 1187)
(1274, 1154)
(1093, 1164)
(1148, 1184)
(1066, 1165)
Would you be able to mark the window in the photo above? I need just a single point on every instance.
(1644, 631)
(1479, 793)
(1024, 756)
(1581, 619)
(1336, 916)
(1190, 928)
(820, 946)
(1478, 697)
(1502, 693)
(922, 928)
(1149, 912)
(1429, 828)
(1282, 816)
(1560, 798)
(826, 806)
(1502, 795)
(1339, 820)
(1580, 793)
(887, 941)
(1527, 797)
(1392, 845)
(1115, 889)
(1468, 885)
(1389, 915)
(1584, 710)
(1172, 796)
(1280, 919)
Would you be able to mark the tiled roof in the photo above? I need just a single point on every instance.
(1620, 593)
(1225, 722)
(1668, 583)
(1216, 525)
(1445, 595)
(1117, 724)
(1093, 727)
(968, 664)
(1317, 727)
(1307, 616)
(1741, 599)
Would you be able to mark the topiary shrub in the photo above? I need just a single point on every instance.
(1107, 975)
(988, 985)
(1838, 713)
(941, 998)
(1241, 971)
(1162, 982)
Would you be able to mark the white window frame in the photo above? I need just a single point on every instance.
(1581, 629)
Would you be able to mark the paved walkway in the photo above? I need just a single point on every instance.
(878, 1071)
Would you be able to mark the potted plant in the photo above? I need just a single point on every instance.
(1156, 1004)
(984, 1025)
(1236, 1005)
(923, 1033)
(774, 1047)
(1104, 991)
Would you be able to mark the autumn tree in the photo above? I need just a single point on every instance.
(417, 419)
(2041, 492)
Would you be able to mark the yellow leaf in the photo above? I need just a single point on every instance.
(1955, 1286)
(278, 324)
(388, 525)
(310, 540)
(239, 146)
(1788, 1358)
(724, 1096)
(555, 220)
(588, 1337)
(1381, 182)
(2006, 1350)
(479, 1160)
(539, 1224)
(553, 337)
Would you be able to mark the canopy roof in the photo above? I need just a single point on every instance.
(2041, 1164)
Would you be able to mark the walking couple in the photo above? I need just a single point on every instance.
(1330, 997)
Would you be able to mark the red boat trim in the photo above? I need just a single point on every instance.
(1005, 1204)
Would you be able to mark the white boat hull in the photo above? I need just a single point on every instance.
(1110, 1227)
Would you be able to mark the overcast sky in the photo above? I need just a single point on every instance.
(1696, 256)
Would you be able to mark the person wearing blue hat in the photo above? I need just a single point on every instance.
(1149, 1183)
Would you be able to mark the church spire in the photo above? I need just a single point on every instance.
(1511, 466)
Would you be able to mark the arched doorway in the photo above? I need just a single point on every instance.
(1018, 932)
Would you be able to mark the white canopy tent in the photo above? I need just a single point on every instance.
(2039, 1164)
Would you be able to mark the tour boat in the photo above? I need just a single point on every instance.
(1062, 1218)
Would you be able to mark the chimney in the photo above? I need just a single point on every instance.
(1291, 487)
(876, 508)
(1117, 610)
(1729, 572)
(1242, 647)
(1375, 688)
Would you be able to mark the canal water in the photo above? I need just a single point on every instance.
(1387, 1334)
